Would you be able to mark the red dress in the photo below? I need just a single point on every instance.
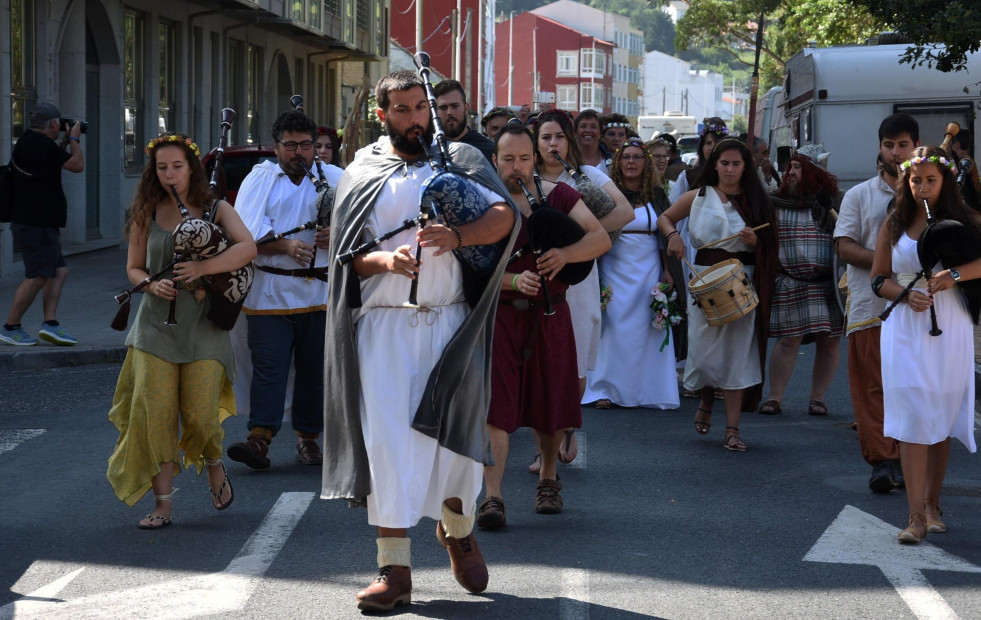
(534, 375)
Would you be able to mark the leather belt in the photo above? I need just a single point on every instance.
(715, 256)
(523, 303)
(319, 273)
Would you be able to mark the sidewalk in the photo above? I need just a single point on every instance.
(86, 309)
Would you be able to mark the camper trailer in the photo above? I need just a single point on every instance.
(674, 123)
(837, 96)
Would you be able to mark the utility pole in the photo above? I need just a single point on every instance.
(454, 46)
(419, 35)
(510, 59)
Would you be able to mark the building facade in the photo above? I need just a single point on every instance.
(538, 55)
(628, 51)
(135, 69)
(670, 84)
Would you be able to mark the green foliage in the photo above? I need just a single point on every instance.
(944, 32)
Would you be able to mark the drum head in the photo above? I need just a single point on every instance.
(711, 277)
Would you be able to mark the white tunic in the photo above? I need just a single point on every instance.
(927, 381)
(411, 475)
(727, 356)
(633, 370)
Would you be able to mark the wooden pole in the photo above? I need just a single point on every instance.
(754, 86)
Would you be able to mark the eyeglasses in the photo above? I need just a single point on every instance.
(306, 145)
(632, 158)
(660, 157)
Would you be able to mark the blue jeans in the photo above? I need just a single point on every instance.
(273, 340)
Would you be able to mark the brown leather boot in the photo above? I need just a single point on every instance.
(916, 531)
(934, 522)
(392, 586)
(466, 560)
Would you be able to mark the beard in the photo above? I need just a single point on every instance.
(793, 187)
(294, 166)
(409, 146)
(455, 131)
(890, 169)
(511, 183)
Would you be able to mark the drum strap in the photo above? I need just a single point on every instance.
(713, 256)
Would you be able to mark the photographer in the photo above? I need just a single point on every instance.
(39, 210)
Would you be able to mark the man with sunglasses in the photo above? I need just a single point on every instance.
(286, 308)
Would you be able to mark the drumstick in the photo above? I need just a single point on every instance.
(692, 267)
(731, 237)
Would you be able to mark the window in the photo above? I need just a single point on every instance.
(566, 97)
(349, 22)
(591, 96)
(254, 70)
(133, 134)
(313, 14)
(567, 64)
(298, 10)
(23, 92)
(592, 62)
(167, 54)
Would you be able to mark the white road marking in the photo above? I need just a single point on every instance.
(190, 597)
(580, 462)
(10, 438)
(574, 597)
(857, 537)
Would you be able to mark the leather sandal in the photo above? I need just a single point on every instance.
(817, 407)
(771, 406)
(536, 464)
(216, 497)
(157, 522)
(732, 441)
(703, 426)
(570, 435)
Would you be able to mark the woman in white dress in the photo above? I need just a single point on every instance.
(554, 133)
(634, 367)
(927, 381)
(730, 357)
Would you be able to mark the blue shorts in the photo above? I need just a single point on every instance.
(41, 248)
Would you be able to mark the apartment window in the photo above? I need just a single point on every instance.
(349, 22)
(381, 28)
(591, 96)
(313, 13)
(567, 64)
(566, 97)
(253, 93)
(591, 62)
(299, 10)
(333, 7)
(167, 52)
(133, 134)
(234, 73)
(23, 90)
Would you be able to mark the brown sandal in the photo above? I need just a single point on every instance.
(732, 441)
(817, 407)
(771, 406)
(702, 426)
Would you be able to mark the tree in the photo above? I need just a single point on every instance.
(943, 32)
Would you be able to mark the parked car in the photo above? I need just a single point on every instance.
(238, 161)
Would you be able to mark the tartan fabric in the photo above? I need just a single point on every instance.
(804, 301)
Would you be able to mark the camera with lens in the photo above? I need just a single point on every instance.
(66, 125)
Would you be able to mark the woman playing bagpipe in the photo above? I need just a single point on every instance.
(175, 387)
(927, 361)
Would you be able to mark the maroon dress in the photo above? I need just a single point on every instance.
(534, 375)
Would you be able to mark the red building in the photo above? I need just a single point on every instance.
(438, 37)
(576, 67)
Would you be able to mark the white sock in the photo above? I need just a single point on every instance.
(457, 525)
(394, 552)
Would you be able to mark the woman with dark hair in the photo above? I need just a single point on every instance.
(715, 130)
(588, 130)
(328, 146)
(554, 134)
(927, 381)
(175, 387)
(616, 130)
(636, 363)
(730, 201)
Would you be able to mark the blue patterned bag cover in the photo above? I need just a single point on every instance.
(457, 201)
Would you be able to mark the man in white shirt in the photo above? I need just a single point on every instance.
(863, 209)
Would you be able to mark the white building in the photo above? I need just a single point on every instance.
(676, 9)
(627, 60)
(669, 83)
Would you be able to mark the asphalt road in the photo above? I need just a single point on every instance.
(659, 522)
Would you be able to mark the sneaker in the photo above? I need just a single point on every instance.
(16, 336)
(56, 335)
(881, 479)
(548, 500)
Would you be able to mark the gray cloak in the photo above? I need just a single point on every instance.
(455, 402)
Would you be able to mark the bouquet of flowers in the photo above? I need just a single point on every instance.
(664, 309)
(606, 294)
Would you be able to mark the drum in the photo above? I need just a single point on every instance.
(723, 292)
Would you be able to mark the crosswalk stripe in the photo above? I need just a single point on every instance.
(10, 438)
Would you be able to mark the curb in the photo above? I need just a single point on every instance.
(61, 357)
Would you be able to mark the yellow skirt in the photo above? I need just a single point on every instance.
(162, 408)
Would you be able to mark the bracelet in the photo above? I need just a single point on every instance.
(514, 281)
(877, 283)
(459, 237)
(673, 232)
(74, 138)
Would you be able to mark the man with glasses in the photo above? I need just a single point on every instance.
(286, 308)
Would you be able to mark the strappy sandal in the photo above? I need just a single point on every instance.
(817, 407)
(216, 497)
(603, 403)
(702, 427)
(536, 464)
(771, 406)
(570, 434)
(732, 441)
(157, 522)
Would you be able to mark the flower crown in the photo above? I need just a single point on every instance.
(172, 138)
(720, 130)
(633, 142)
(499, 111)
(935, 159)
(615, 125)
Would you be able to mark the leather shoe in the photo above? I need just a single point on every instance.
(392, 586)
(881, 480)
(548, 501)
(252, 452)
(466, 560)
(916, 531)
(308, 452)
(490, 516)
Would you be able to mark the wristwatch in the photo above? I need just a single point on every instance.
(955, 275)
